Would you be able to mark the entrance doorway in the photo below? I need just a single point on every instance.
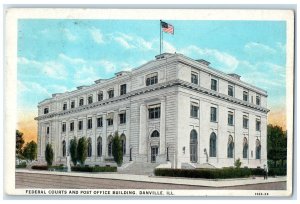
(154, 153)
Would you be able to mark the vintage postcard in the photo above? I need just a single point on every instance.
(141, 102)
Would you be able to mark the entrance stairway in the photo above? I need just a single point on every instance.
(139, 168)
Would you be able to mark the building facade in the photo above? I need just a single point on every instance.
(172, 110)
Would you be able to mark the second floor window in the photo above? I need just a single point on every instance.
(194, 78)
(154, 112)
(214, 84)
(63, 127)
(81, 102)
(99, 122)
(230, 118)
(110, 121)
(48, 130)
(110, 93)
(80, 125)
(65, 106)
(151, 79)
(257, 100)
(90, 124)
(90, 99)
(245, 96)
(123, 89)
(72, 104)
(230, 90)
(245, 122)
(72, 126)
(213, 114)
(258, 125)
(122, 117)
(100, 96)
(194, 111)
(46, 110)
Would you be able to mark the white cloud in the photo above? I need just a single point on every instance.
(168, 47)
(55, 70)
(57, 88)
(97, 35)
(71, 60)
(69, 35)
(33, 88)
(85, 75)
(107, 65)
(132, 41)
(253, 47)
(282, 47)
(123, 42)
(228, 62)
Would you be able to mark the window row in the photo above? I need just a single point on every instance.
(194, 113)
(99, 122)
(213, 147)
(214, 87)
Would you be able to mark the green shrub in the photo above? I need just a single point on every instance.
(40, 167)
(277, 172)
(82, 147)
(73, 150)
(117, 149)
(94, 168)
(49, 154)
(223, 173)
(238, 163)
(21, 165)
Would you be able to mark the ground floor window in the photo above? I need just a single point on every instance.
(245, 148)
(64, 148)
(258, 149)
(123, 144)
(89, 147)
(193, 146)
(109, 146)
(230, 147)
(99, 146)
(213, 145)
(154, 153)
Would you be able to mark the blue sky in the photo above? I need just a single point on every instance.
(59, 55)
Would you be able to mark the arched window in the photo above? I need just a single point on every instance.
(64, 148)
(123, 143)
(89, 147)
(258, 149)
(245, 148)
(155, 133)
(109, 145)
(230, 147)
(213, 145)
(99, 146)
(193, 146)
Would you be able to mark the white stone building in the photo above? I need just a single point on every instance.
(172, 110)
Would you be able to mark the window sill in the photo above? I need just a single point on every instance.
(194, 117)
(214, 121)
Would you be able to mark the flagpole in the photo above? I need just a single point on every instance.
(160, 33)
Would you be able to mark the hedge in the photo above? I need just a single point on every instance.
(223, 173)
(94, 168)
(21, 165)
(40, 167)
(45, 167)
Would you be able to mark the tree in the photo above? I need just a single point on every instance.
(238, 163)
(277, 146)
(30, 151)
(82, 150)
(19, 143)
(49, 154)
(117, 149)
(73, 150)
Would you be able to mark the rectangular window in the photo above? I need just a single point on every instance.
(230, 118)
(194, 78)
(214, 84)
(245, 122)
(90, 99)
(123, 89)
(245, 96)
(110, 121)
(213, 114)
(72, 126)
(258, 124)
(65, 106)
(48, 130)
(99, 122)
(63, 127)
(151, 79)
(81, 102)
(46, 110)
(194, 111)
(100, 96)
(154, 113)
(258, 100)
(72, 104)
(80, 125)
(230, 90)
(110, 93)
(89, 123)
(122, 117)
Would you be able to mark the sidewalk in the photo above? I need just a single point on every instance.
(166, 180)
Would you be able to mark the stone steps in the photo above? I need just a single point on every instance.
(139, 168)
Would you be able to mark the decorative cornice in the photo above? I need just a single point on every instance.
(176, 82)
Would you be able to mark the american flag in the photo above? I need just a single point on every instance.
(167, 28)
